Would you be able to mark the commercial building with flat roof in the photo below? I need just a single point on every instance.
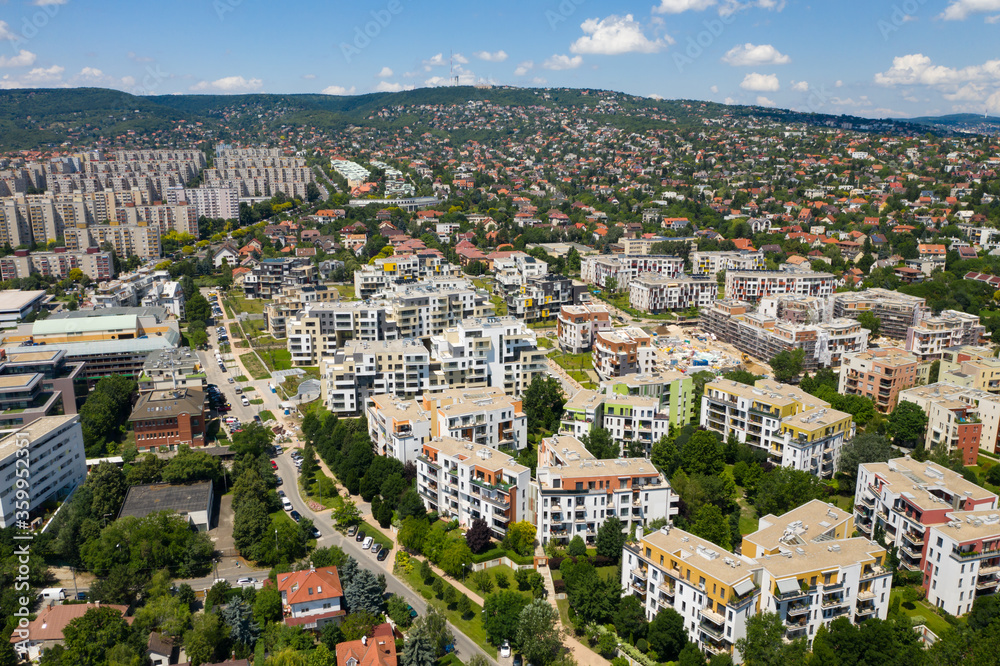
(15, 305)
(191, 500)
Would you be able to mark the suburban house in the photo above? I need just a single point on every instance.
(311, 598)
(46, 630)
(379, 649)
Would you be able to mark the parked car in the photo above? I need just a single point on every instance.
(352, 530)
(239, 391)
(382, 554)
(281, 493)
(360, 536)
(505, 649)
(296, 516)
(274, 465)
(231, 380)
(367, 543)
(412, 612)
(286, 504)
(316, 533)
(375, 548)
(246, 582)
(279, 481)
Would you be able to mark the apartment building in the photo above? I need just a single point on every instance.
(293, 300)
(763, 336)
(359, 370)
(796, 429)
(485, 416)
(801, 565)
(321, 329)
(126, 240)
(167, 369)
(960, 418)
(94, 263)
(624, 268)
(631, 246)
(35, 383)
(541, 298)
(656, 295)
(878, 374)
(576, 492)
(963, 559)
(751, 286)
(180, 217)
(398, 428)
(577, 325)
(464, 481)
(56, 459)
(211, 202)
(129, 289)
(515, 270)
(928, 339)
(272, 276)
(622, 352)
(582, 413)
(896, 311)
(710, 263)
(970, 366)
(905, 497)
(166, 295)
(425, 310)
(371, 279)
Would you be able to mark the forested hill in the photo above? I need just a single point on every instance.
(44, 118)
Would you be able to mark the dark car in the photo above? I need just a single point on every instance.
(296, 516)
(279, 481)
(360, 535)
(409, 608)
(382, 554)
(81, 596)
(316, 533)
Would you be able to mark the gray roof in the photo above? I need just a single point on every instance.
(182, 498)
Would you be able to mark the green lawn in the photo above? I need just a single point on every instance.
(277, 359)
(376, 535)
(266, 415)
(257, 401)
(472, 627)
(346, 291)
(921, 612)
(573, 361)
(248, 305)
(507, 571)
(545, 343)
(254, 367)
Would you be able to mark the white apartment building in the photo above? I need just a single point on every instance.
(54, 458)
(624, 268)
(577, 325)
(369, 280)
(654, 294)
(360, 369)
(751, 286)
(710, 263)
(576, 492)
(582, 413)
(94, 263)
(485, 416)
(622, 352)
(398, 428)
(321, 329)
(796, 429)
(965, 552)
(961, 418)
(464, 481)
(210, 202)
(167, 295)
(513, 271)
(928, 339)
(127, 240)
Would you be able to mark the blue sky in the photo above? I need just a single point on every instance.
(900, 58)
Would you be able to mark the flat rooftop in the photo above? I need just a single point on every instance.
(702, 555)
(15, 357)
(182, 498)
(800, 525)
(398, 409)
(15, 300)
(972, 525)
(816, 418)
(469, 452)
(33, 431)
(810, 557)
(915, 480)
(19, 381)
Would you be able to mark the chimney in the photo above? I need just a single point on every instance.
(364, 640)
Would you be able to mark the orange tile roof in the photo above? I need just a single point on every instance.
(310, 585)
(379, 651)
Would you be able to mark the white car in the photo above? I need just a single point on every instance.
(286, 504)
(367, 543)
(246, 582)
(505, 650)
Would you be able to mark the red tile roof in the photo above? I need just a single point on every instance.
(379, 649)
(310, 585)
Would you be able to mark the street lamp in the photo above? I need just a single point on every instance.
(275, 540)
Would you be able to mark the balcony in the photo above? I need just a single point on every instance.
(914, 538)
(667, 590)
(714, 632)
(867, 501)
(713, 617)
(866, 610)
(988, 584)
(794, 610)
(866, 595)
(835, 601)
(873, 572)
(639, 573)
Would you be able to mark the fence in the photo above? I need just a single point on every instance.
(501, 561)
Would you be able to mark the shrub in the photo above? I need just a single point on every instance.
(502, 581)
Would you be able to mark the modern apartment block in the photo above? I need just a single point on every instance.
(425, 310)
(896, 311)
(905, 497)
(465, 481)
(56, 461)
(972, 367)
(796, 429)
(94, 263)
(272, 276)
(928, 339)
(878, 374)
(623, 351)
(710, 263)
(577, 325)
(653, 294)
(963, 559)
(576, 492)
(405, 269)
(398, 428)
(801, 565)
(763, 336)
(515, 270)
(960, 418)
(126, 240)
(167, 295)
(751, 286)
(360, 369)
(582, 413)
(624, 268)
(319, 330)
(37, 382)
(486, 416)
(211, 202)
(541, 298)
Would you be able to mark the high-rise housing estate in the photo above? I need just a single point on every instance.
(751, 286)
(577, 325)
(654, 294)
(710, 263)
(624, 268)
(928, 339)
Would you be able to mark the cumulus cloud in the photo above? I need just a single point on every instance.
(460, 59)
(389, 86)
(763, 101)
(917, 69)
(91, 73)
(557, 62)
(680, 6)
(230, 84)
(760, 82)
(338, 90)
(497, 56)
(754, 55)
(6, 34)
(800, 86)
(959, 10)
(714, 89)
(539, 81)
(22, 59)
(438, 60)
(729, 7)
(524, 67)
(614, 35)
(51, 74)
(385, 73)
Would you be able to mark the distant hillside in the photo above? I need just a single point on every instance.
(962, 122)
(37, 118)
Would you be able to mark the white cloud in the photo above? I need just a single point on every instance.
(5, 32)
(389, 86)
(800, 86)
(338, 90)
(992, 19)
(51, 74)
(838, 84)
(763, 101)
(539, 81)
(437, 60)
(498, 56)
(760, 82)
(557, 62)
(385, 73)
(230, 84)
(460, 59)
(308, 77)
(680, 6)
(729, 101)
(524, 68)
(970, 92)
(714, 89)
(959, 10)
(91, 73)
(22, 59)
(614, 35)
(128, 81)
(917, 69)
(730, 7)
(751, 55)
(850, 101)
